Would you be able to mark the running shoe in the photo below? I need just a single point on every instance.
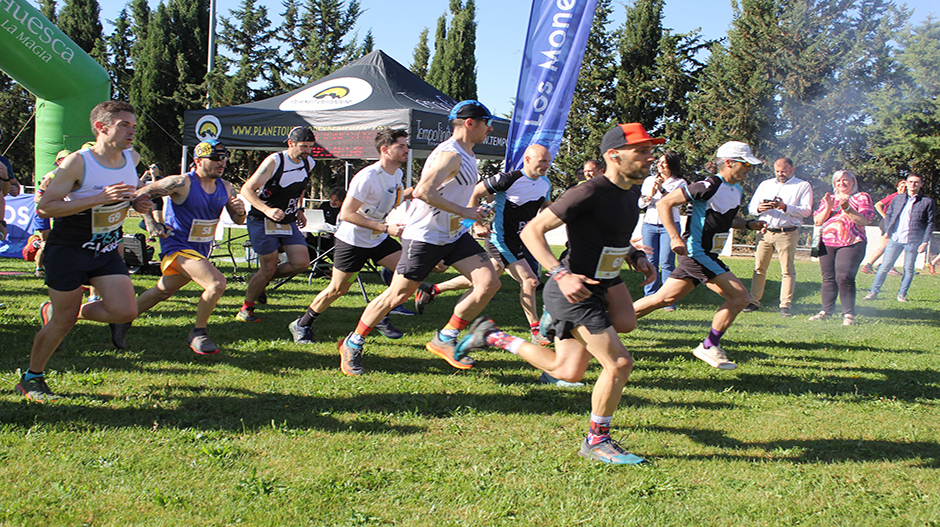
(931, 268)
(545, 378)
(400, 310)
(871, 296)
(609, 451)
(423, 296)
(445, 350)
(714, 356)
(201, 345)
(822, 315)
(387, 330)
(350, 357)
(36, 390)
(247, 315)
(476, 336)
(867, 269)
(750, 308)
(545, 321)
(894, 272)
(903, 298)
(301, 334)
(45, 314)
(119, 334)
(539, 340)
(848, 319)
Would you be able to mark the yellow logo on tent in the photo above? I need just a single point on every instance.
(336, 92)
(208, 129)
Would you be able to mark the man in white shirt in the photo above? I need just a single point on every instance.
(781, 203)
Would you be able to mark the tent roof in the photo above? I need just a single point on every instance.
(345, 109)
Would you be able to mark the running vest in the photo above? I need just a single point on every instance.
(285, 190)
(99, 228)
(194, 220)
(428, 224)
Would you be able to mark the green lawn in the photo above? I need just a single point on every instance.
(820, 424)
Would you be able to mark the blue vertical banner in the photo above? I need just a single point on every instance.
(555, 43)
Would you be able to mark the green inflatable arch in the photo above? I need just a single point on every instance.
(66, 81)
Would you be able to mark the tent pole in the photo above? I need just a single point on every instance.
(408, 171)
(346, 164)
(183, 159)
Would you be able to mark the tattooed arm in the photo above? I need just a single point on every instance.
(176, 187)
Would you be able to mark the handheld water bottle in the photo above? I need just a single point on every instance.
(468, 222)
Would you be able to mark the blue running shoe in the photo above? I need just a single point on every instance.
(545, 378)
(387, 330)
(350, 357)
(476, 336)
(544, 323)
(400, 310)
(446, 350)
(609, 451)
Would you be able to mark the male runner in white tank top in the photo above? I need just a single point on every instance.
(90, 195)
(433, 232)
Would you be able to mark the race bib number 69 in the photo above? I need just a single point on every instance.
(107, 218)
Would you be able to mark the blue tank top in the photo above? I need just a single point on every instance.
(194, 221)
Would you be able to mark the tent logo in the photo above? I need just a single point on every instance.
(336, 92)
(208, 127)
(331, 94)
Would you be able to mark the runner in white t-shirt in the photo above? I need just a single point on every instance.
(362, 233)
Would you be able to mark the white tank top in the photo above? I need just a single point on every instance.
(428, 224)
(97, 177)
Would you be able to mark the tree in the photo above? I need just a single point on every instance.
(47, 8)
(436, 71)
(120, 67)
(255, 61)
(323, 29)
(16, 118)
(453, 67)
(419, 61)
(593, 106)
(904, 132)
(639, 47)
(80, 21)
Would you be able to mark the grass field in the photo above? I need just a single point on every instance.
(820, 424)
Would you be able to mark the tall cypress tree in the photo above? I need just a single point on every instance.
(460, 53)
(120, 67)
(637, 97)
(438, 67)
(47, 8)
(250, 38)
(419, 61)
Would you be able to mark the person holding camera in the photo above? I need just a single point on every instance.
(781, 203)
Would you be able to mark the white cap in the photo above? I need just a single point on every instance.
(737, 151)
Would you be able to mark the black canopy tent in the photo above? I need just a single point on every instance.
(344, 109)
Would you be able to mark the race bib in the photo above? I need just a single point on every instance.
(108, 218)
(276, 229)
(610, 262)
(202, 231)
(455, 226)
(719, 241)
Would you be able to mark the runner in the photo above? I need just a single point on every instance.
(192, 215)
(433, 232)
(363, 234)
(600, 216)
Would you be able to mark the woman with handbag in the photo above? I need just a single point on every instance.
(842, 216)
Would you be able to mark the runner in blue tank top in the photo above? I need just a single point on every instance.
(192, 216)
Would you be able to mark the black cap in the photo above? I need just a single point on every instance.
(301, 134)
(469, 110)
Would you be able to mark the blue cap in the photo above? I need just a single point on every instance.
(469, 110)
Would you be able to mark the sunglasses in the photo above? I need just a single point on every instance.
(217, 158)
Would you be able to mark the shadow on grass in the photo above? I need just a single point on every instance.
(810, 451)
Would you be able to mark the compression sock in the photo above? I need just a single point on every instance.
(713, 339)
(453, 327)
(600, 429)
(199, 331)
(248, 306)
(535, 328)
(308, 318)
(502, 340)
(30, 375)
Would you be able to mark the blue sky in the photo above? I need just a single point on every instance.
(501, 27)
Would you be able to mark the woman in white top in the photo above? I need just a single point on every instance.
(655, 236)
